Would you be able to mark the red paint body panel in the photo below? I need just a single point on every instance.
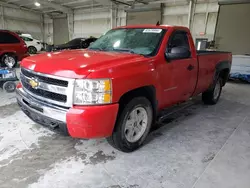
(207, 67)
(19, 49)
(91, 121)
(172, 81)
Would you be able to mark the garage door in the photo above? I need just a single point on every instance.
(146, 17)
(233, 28)
(60, 30)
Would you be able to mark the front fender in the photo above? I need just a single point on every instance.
(129, 76)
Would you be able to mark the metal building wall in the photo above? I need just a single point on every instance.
(94, 23)
(23, 21)
(175, 15)
(203, 18)
(48, 30)
(144, 17)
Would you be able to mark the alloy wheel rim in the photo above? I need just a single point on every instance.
(32, 50)
(9, 61)
(136, 124)
(217, 90)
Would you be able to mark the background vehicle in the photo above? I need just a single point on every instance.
(33, 45)
(117, 87)
(76, 43)
(8, 79)
(12, 49)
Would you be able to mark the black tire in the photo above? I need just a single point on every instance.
(6, 57)
(32, 50)
(211, 96)
(9, 86)
(118, 139)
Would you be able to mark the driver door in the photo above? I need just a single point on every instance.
(181, 73)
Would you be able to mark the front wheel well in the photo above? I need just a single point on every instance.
(147, 91)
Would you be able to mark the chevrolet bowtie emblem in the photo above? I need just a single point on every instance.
(34, 83)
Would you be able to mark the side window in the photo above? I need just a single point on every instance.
(26, 38)
(178, 39)
(23, 38)
(7, 38)
(29, 39)
(2, 40)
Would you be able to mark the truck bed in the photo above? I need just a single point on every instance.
(207, 52)
(208, 61)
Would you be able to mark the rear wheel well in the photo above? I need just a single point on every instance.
(9, 53)
(147, 91)
(224, 74)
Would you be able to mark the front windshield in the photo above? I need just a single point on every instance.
(138, 41)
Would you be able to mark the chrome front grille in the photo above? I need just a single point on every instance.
(48, 88)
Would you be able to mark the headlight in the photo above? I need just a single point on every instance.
(89, 92)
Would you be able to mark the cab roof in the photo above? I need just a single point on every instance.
(151, 26)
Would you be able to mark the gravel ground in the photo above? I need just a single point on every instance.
(202, 146)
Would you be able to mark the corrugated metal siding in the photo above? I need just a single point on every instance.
(145, 17)
(23, 21)
(178, 15)
(91, 24)
(48, 30)
(175, 15)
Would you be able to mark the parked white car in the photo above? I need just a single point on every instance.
(33, 45)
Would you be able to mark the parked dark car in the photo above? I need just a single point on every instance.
(12, 49)
(76, 43)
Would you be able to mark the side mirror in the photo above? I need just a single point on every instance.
(178, 53)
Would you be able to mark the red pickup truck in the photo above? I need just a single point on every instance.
(117, 86)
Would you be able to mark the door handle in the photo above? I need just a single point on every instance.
(190, 67)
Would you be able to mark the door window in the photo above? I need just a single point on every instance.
(178, 39)
(7, 38)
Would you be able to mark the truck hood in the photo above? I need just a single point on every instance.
(77, 63)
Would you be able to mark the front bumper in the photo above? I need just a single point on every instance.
(79, 121)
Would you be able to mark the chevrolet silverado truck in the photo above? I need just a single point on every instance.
(117, 87)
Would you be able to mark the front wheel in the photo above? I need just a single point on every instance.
(133, 125)
(212, 95)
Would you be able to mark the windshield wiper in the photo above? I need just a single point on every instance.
(96, 49)
(128, 50)
(124, 50)
(118, 50)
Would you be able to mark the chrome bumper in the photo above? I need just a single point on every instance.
(41, 108)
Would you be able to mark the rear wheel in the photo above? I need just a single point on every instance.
(133, 125)
(9, 86)
(212, 95)
(32, 50)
